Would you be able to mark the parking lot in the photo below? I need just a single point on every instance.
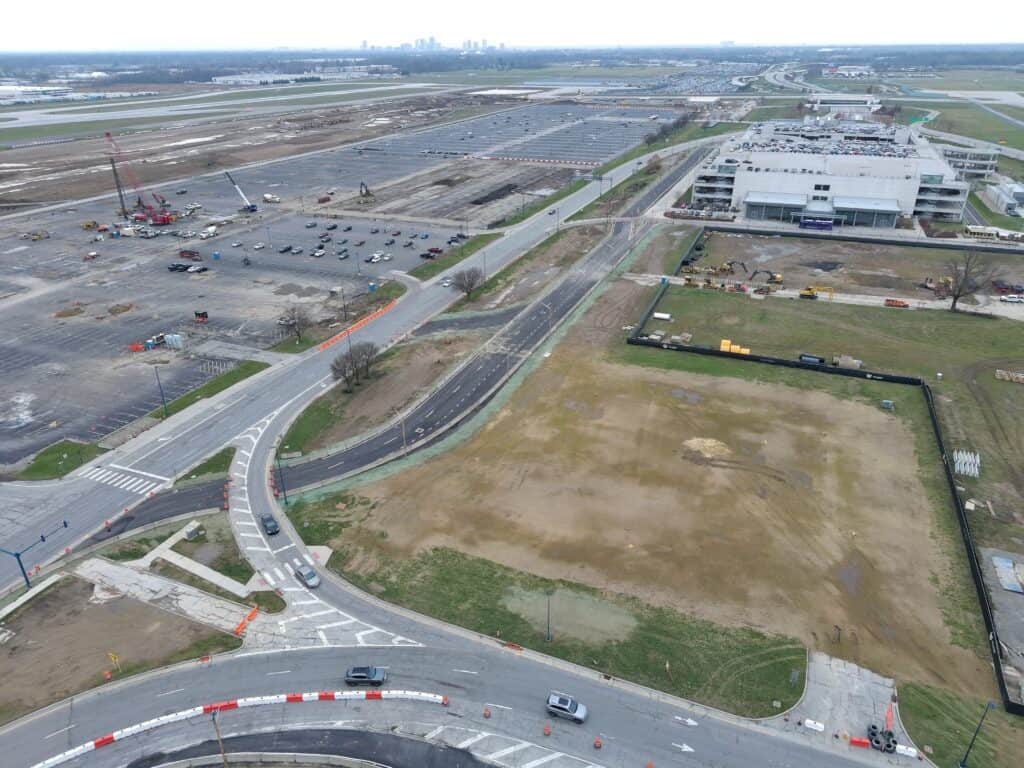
(66, 321)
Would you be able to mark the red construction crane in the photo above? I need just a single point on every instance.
(144, 211)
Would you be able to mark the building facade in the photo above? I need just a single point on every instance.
(970, 163)
(844, 173)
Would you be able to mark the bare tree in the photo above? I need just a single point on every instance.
(343, 369)
(298, 319)
(967, 275)
(364, 355)
(468, 280)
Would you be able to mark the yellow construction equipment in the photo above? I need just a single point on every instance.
(812, 291)
(89, 225)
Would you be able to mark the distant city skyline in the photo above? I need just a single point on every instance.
(193, 25)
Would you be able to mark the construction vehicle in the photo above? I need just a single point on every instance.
(87, 225)
(941, 287)
(733, 264)
(812, 291)
(774, 278)
(269, 198)
(247, 207)
(364, 191)
(38, 235)
(899, 303)
(157, 215)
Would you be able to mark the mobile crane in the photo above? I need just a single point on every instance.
(247, 207)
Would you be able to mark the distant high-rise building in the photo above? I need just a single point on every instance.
(364, 46)
(483, 43)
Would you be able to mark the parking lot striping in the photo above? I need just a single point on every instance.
(497, 706)
(62, 730)
(508, 750)
(308, 559)
(280, 672)
(296, 561)
(291, 589)
(318, 613)
(472, 740)
(282, 549)
(140, 472)
(267, 578)
(314, 601)
(245, 522)
(541, 760)
(466, 671)
(168, 693)
(289, 620)
(259, 549)
(277, 572)
(682, 747)
(323, 637)
(435, 733)
(251, 535)
(337, 624)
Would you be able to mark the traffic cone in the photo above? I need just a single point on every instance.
(547, 729)
(487, 712)
(597, 743)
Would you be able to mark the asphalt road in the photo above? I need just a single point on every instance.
(972, 216)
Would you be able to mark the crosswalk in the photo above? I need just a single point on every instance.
(125, 480)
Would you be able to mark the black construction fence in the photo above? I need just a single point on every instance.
(995, 648)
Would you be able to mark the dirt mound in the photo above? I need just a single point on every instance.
(707, 447)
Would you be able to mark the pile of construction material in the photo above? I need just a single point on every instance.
(967, 463)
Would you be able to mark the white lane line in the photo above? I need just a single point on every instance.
(259, 549)
(296, 561)
(472, 740)
(508, 750)
(282, 622)
(541, 760)
(161, 478)
(277, 572)
(245, 522)
(306, 602)
(497, 706)
(682, 747)
(135, 484)
(168, 693)
(121, 481)
(282, 549)
(308, 559)
(62, 730)
(435, 733)
(268, 578)
(466, 671)
(149, 486)
(318, 613)
(323, 637)
(336, 624)
(279, 672)
(292, 589)
(250, 535)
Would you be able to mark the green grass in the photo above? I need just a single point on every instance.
(453, 256)
(59, 459)
(496, 77)
(945, 721)
(135, 548)
(84, 128)
(218, 464)
(229, 560)
(690, 132)
(1011, 166)
(776, 110)
(320, 522)
(290, 345)
(994, 219)
(392, 289)
(608, 203)
(243, 370)
(738, 670)
(526, 212)
(218, 642)
(966, 80)
(968, 120)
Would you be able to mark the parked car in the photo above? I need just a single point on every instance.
(270, 526)
(236, 244)
(374, 230)
(342, 255)
(424, 236)
(343, 241)
(560, 705)
(197, 269)
(318, 253)
(389, 241)
(1012, 298)
(426, 255)
(325, 238)
(182, 192)
(408, 244)
(331, 227)
(387, 257)
(368, 259)
(359, 243)
(365, 676)
(396, 233)
(435, 249)
(310, 225)
(284, 249)
(177, 267)
(297, 250)
(307, 576)
(347, 229)
(258, 247)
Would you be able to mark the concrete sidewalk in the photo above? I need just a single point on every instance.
(165, 552)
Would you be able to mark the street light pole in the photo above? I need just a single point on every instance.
(963, 761)
(161, 388)
(220, 741)
(16, 554)
(547, 634)
(280, 479)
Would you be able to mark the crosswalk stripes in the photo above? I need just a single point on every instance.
(121, 480)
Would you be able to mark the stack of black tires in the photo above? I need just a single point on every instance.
(883, 741)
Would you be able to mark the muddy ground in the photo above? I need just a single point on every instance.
(61, 639)
(880, 270)
(740, 502)
(70, 170)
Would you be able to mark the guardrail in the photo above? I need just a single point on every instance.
(995, 648)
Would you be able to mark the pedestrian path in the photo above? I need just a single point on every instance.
(131, 480)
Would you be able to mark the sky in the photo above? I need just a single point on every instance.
(84, 25)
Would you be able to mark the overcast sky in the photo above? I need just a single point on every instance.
(82, 25)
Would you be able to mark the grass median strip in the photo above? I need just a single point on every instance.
(218, 464)
(524, 213)
(432, 267)
(240, 372)
(994, 219)
(690, 132)
(59, 459)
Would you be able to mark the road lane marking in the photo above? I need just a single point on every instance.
(541, 760)
(245, 522)
(497, 706)
(168, 693)
(682, 747)
(250, 535)
(308, 559)
(140, 472)
(268, 578)
(280, 672)
(686, 721)
(508, 750)
(323, 637)
(466, 671)
(277, 572)
(436, 732)
(258, 549)
(282, 549)
(62, 730)
(318, 613)
(337, 624)
(472, 740)
(314, 601)
(296, 561)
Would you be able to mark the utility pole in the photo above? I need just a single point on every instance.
(161, 388)
(220, 741)
(280, 479)
(990, 705)
(547, 634)
(16, 554)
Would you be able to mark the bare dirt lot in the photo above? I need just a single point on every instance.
(853, 267)
(61, 640)
(741, 502)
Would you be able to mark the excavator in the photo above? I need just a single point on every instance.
(812, 291)
(941, 287)
(773, 278)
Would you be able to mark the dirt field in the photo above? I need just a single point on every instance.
(852, 267)
(727, 499)
(57, 172)
(61, 640)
